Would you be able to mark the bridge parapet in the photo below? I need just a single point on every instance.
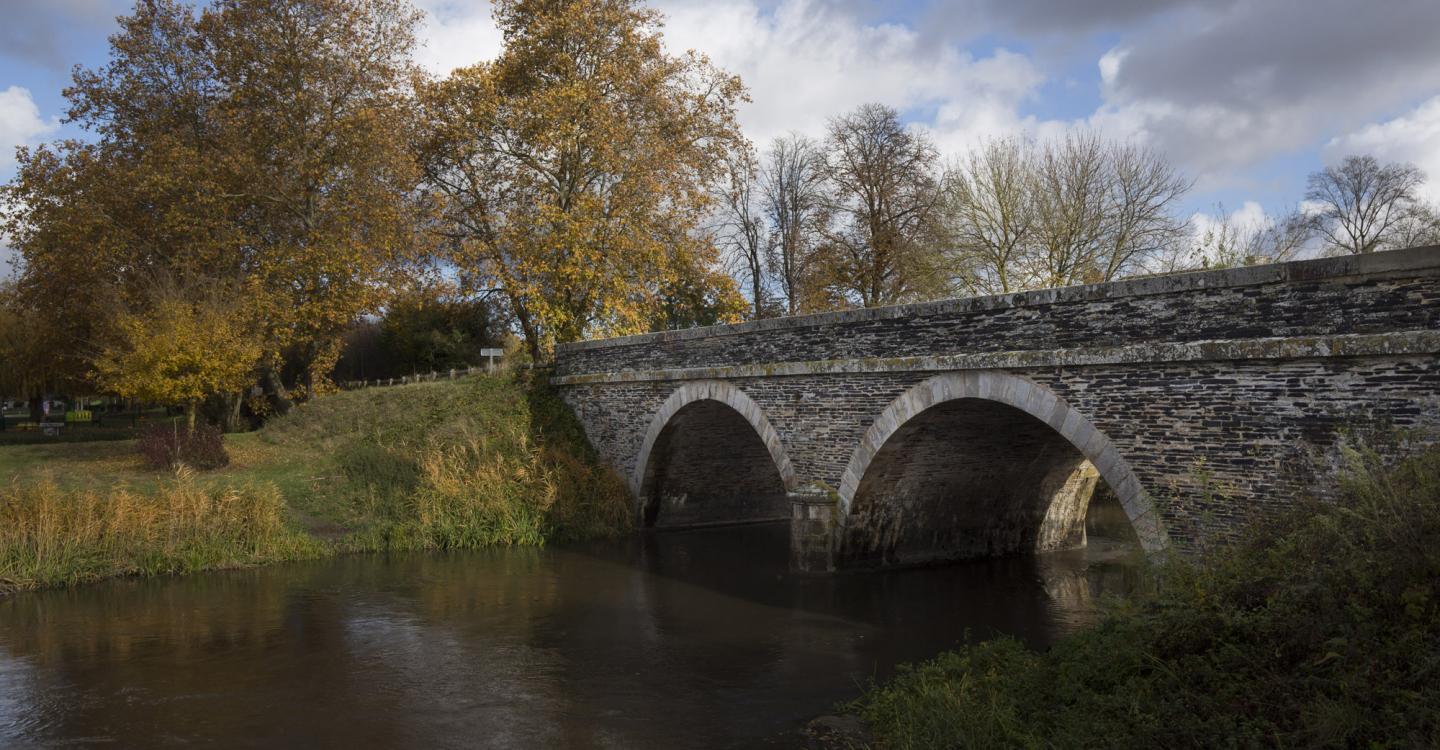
(1328, 302)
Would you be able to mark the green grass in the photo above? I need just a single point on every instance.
(470, 463)
(1320, 630)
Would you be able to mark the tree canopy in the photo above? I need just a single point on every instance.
(257, 142)
(575, 171)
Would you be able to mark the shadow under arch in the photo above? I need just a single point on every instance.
(1026, 396)
(725, 411)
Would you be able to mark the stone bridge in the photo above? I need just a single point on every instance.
(968, 427)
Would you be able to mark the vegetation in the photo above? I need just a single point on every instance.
(297, 176)
(169, 447)
(49, 536)
(1317, 631)
(576, 168)
(255, 144)
(444, 465)
(185, 346)
(1363, 206)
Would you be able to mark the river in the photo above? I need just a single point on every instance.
(678, 639)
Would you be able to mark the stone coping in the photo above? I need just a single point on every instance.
(1420, 261)
(1401, 343)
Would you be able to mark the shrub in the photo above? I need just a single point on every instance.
(1318, 630)
(171, 446)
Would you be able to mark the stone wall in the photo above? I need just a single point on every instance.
(1371, 294)
(1203, 400)
(968, 478)
(709, 466)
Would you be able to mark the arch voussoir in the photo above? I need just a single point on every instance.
(1025, 395)
(725, 393)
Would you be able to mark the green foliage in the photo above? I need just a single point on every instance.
(482, 461)
(420, 334)
(1318, 630)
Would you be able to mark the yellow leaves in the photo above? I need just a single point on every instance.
(187, 345)
(578, 163)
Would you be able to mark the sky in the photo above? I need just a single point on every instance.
(1246, 97)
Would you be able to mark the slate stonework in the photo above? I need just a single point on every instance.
(1221, 393)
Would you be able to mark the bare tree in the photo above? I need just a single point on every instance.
(1079, 209)
(1419, 227)
(742, 231)
(1139, 221)
(792, 186)
(884, 245)
(1069, 193)
(990, 216)
(1227, 242)
(1361, 202)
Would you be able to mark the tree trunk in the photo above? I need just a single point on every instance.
(279, 395)
(527, 328)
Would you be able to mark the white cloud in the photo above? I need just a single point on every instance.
(1222, 87)
(1413, 137)
(803, 61)
(1110, 65)
(20, 125)
(1248, 217)
(456, 33)
(1219, 87)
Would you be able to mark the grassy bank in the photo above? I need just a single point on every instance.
(1322, 630)
(470, 463)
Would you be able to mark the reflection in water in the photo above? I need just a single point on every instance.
(696, 639)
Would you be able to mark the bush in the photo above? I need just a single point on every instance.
(171, 446)
(1319, 630)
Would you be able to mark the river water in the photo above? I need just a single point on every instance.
(680, 639)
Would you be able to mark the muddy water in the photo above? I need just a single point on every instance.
(681, 639)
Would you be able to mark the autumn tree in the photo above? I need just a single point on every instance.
(30, 371)
(434, 328)
(187, 343)
(576, 171)
(792, 194)
(257, 143)
(316, 115)
(882, 246)
(1361, 203)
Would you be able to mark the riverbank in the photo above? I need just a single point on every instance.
(1321, 630)
(492, 460)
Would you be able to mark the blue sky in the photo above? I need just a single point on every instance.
(1245, 96)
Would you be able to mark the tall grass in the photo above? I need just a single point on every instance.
(49, 536)
(486, 461)
(448, 465)
(1319, 630)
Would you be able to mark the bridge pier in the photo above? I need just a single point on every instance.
(814, 513)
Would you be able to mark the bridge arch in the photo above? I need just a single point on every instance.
(993, 392)
(712, 421)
